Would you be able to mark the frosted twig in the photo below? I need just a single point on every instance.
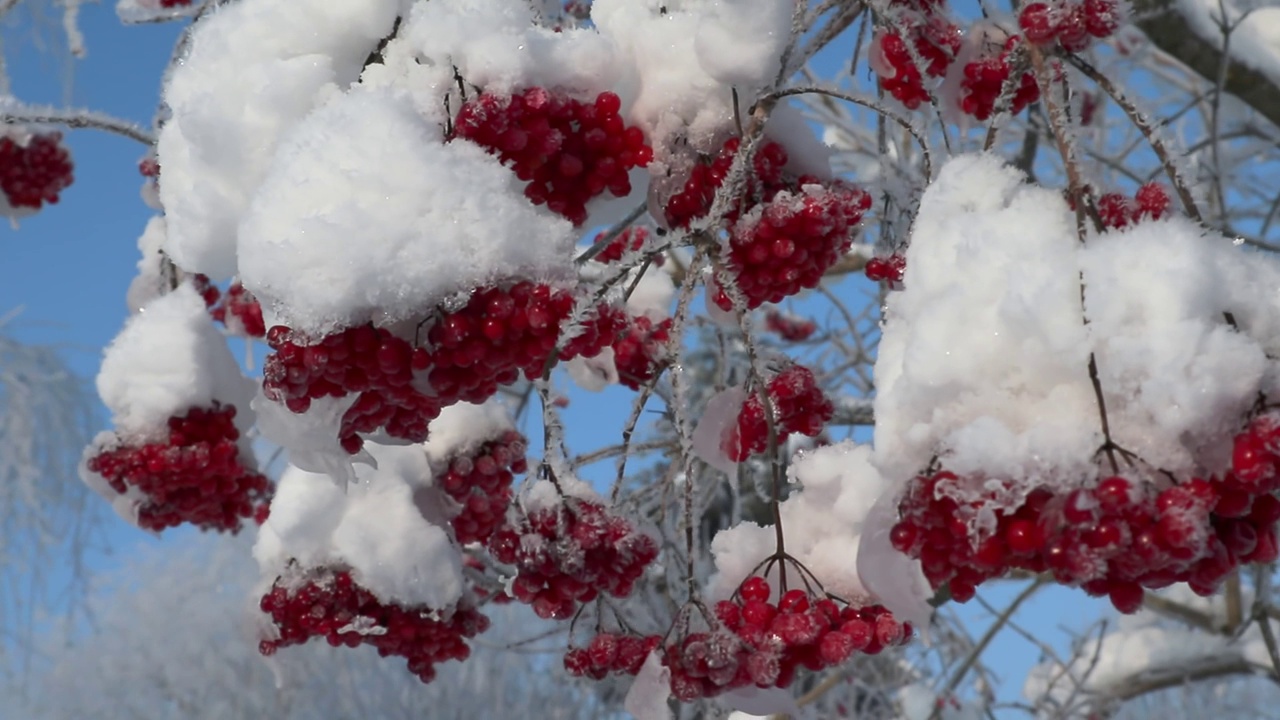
(974, 653)
(1157, 145)
(76, 119)
(870, 105)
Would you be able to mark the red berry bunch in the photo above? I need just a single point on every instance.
(488, 342)
(610, 653)
(799, 406)
(568, 554)
(764, 180)
(328, 603)
(240, 312)
(934, 39)
(982, 87)
(640, 351)
(789, 328)
(34, 174)
(1115, 538)
(790, 241)
(194, 476)
(1070, 25)
(630, 240)
(480, 483)
(567, 150)
(174, 3)
(500, 333)
(1150, 202)
(367, 361)
(886, 269)
(764, 644)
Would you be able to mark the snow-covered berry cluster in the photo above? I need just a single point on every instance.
(610, 653)
(1115, 538)
(888, 269)
(570, 553)
(328, 603)
(568, 151)
(639, 352)
(798, 404)
(480, 483)
(1149, 202)
(764, 644)
(1069, 24)
(35, 172)
(195, 475)
(468, 353)
(789, 327)
(240, 312)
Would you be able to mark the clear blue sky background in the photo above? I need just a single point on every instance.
(69, 266)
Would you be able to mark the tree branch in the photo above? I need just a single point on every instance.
(1169, 30)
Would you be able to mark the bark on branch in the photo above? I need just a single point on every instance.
(1169, 30)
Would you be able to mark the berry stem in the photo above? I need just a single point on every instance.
(611, 234)
(1157, 146)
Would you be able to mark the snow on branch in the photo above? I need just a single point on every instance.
(14, 113)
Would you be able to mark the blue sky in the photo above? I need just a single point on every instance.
(69, 266)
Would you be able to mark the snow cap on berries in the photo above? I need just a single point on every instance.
(169, 359)
(362, 218)
(268, 61)
(497, 45)
(463, 427)
(984, 358)
(376, 528)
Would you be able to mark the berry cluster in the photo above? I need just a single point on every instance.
(470, 351)
(764, 644)
(1115, 538)
(206, 289)
(789, 242)
(174, 3)
(194, 476)
(500, 333)
(606, 653)
(629, 240)
(567, 150)
(935, 40)
(328, 603)
(1150, 202)
(886, 269)
(568, 554)
(799, 406)
(1070, 25)
(789, 328)
(34, 174)
(367, 361)
(982, 87)
(764, 180)
(240, 312)
(640, 351)
(480, 483)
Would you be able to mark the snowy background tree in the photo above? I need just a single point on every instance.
(672, 359)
